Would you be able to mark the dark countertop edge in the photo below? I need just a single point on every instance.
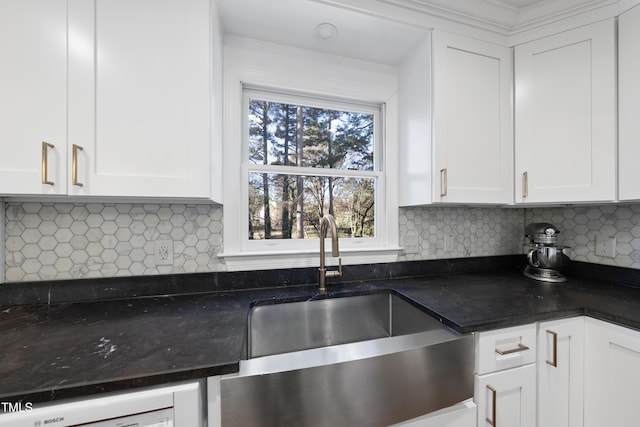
(120, 385)
(509, 322)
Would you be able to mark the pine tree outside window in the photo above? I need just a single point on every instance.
(307, 158)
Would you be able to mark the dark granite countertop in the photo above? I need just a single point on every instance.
(54, 351)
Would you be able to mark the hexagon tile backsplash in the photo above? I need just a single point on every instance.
(71, 240)
(580, 226)
(475, 231)
(46, 241)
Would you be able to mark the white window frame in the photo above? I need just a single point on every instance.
(289, 71)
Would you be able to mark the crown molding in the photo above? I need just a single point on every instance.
(498, 21)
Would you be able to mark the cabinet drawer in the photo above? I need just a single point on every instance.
(505, 348)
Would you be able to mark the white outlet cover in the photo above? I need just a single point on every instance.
(606, 246)
(163, 252)
(449, 242)
(411, 244)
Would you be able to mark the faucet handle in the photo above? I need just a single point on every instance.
(335, 273)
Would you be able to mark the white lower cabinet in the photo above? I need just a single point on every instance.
(561, 372)
(507, 398)
(612, 367)
(505, 381)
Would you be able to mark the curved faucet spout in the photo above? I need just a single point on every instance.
(326, 222)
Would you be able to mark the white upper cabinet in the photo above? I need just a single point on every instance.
(629, 104)
(33, 96)
(140, 97)
(472, 128)
(464, 154)
(565, 116)
(124, 110)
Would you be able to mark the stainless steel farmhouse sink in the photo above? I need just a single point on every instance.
(283, 328)
(364, 360)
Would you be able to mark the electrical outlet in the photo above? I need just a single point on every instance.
(606, 246)
(411, 244)
(449, 242)
(163, 251)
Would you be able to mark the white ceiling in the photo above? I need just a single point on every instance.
(292, 22)
(385, 30)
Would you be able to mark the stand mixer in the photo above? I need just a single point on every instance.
(545, 257)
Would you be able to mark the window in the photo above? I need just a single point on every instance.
(307, 158)
(280, 178)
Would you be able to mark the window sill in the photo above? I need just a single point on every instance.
(246, 261)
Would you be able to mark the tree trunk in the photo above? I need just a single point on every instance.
(265, 177)
(286, 226)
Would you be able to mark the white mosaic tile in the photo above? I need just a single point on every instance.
(46, 241)
(581, 225)
(477, 231)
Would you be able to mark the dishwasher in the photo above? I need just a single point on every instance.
(163, 406)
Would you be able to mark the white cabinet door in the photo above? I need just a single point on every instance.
(507, 398)
(612, 367)
(629, 104)
(139, 97)
(561, 373)
(33, 96)
(565, 116)
(472, 131)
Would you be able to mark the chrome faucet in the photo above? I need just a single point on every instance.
(325, 222)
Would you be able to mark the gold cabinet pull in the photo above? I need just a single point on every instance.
(74, 165)
(521, 347)
(525, 184)
(45, 152)
(494, 394)
(443, 182)
(553, 362)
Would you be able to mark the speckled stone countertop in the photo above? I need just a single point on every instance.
(54, 351)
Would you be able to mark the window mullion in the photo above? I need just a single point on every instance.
(308, 171)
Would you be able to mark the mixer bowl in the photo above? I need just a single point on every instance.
(548, 257)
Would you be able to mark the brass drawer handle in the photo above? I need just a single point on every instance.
(494, 394)
(45, 162)
(443, 182)
(74, 165)
(521, 347)
(554, 362)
